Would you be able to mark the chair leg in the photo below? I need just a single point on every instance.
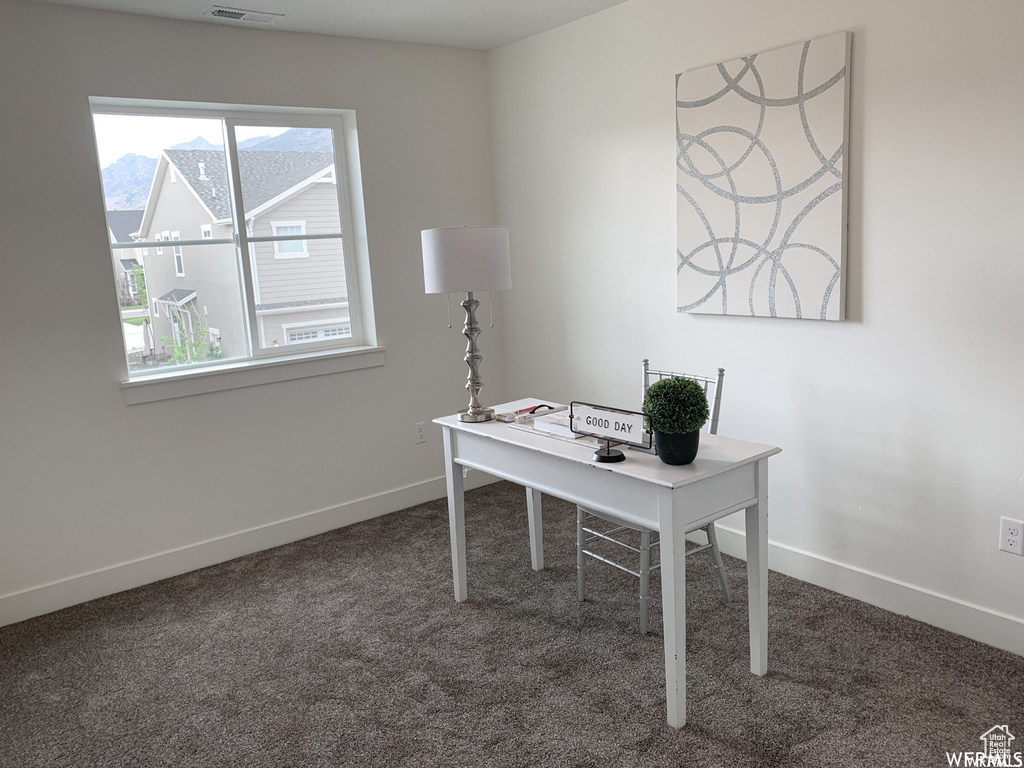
(716, 557)
(581, 559)
(645, 577)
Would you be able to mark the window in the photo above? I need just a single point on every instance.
(288, 265)
(289, 249)
(179, 265)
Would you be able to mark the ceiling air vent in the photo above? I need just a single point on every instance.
(242, 14)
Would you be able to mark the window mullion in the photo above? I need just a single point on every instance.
(241, 234)
(298, 236)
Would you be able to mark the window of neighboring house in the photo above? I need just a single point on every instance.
(179, 265)
(293, 241)
(289, 249)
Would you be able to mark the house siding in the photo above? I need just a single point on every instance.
(321, 275)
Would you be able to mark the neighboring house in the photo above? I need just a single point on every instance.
(300, 290)
(121, 228)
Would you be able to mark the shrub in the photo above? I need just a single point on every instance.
(676, 406)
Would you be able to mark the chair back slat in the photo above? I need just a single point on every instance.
(712, 388)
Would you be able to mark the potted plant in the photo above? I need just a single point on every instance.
(676, 408)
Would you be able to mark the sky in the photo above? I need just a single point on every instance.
(119, 135)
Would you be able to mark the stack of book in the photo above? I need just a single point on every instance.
(555, 424)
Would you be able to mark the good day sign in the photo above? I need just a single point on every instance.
(611, 424)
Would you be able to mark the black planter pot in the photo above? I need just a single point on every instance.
(677, 449)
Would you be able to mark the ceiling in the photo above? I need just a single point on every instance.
(476, 24)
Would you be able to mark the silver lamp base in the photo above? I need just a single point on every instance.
(476, 412)
(485, 414)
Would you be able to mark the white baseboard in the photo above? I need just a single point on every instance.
(974, 621)
(35, 601)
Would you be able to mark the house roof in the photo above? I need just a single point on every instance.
(122, 224)
(265, 175)
(128, 264)
(178, 296)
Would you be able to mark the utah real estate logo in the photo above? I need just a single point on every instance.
(997, 751)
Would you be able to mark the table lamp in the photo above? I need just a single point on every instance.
(468, 259)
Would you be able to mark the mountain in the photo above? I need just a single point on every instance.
(250, 143)
(200, 143)
(197, 143)
(126, 182)
(292, 140)
(297, 140)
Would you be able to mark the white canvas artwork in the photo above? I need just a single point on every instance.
(761, 204)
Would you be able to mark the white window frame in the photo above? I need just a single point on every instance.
(290, 237)
(159, 239)
(179, 262)
(206, 231)
(262, 366)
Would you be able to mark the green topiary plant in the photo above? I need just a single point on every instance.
(675, 406)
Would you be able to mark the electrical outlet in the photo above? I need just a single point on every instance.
(420, 431)
(1011, 536)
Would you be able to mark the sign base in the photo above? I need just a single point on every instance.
(608, 456)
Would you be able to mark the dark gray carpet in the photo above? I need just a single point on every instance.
(347, 649)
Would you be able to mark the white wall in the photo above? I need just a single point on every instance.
(97, 496)
(902, 428)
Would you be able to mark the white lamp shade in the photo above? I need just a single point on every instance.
(464, 259)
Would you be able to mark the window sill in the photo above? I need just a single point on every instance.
(249, 373)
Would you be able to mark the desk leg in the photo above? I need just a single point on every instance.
(533, 513)
(757, 573)
(673, 598)
(456, 514)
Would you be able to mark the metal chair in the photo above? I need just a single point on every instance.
(593, 526)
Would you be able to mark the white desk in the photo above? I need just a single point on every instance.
(727, 476)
